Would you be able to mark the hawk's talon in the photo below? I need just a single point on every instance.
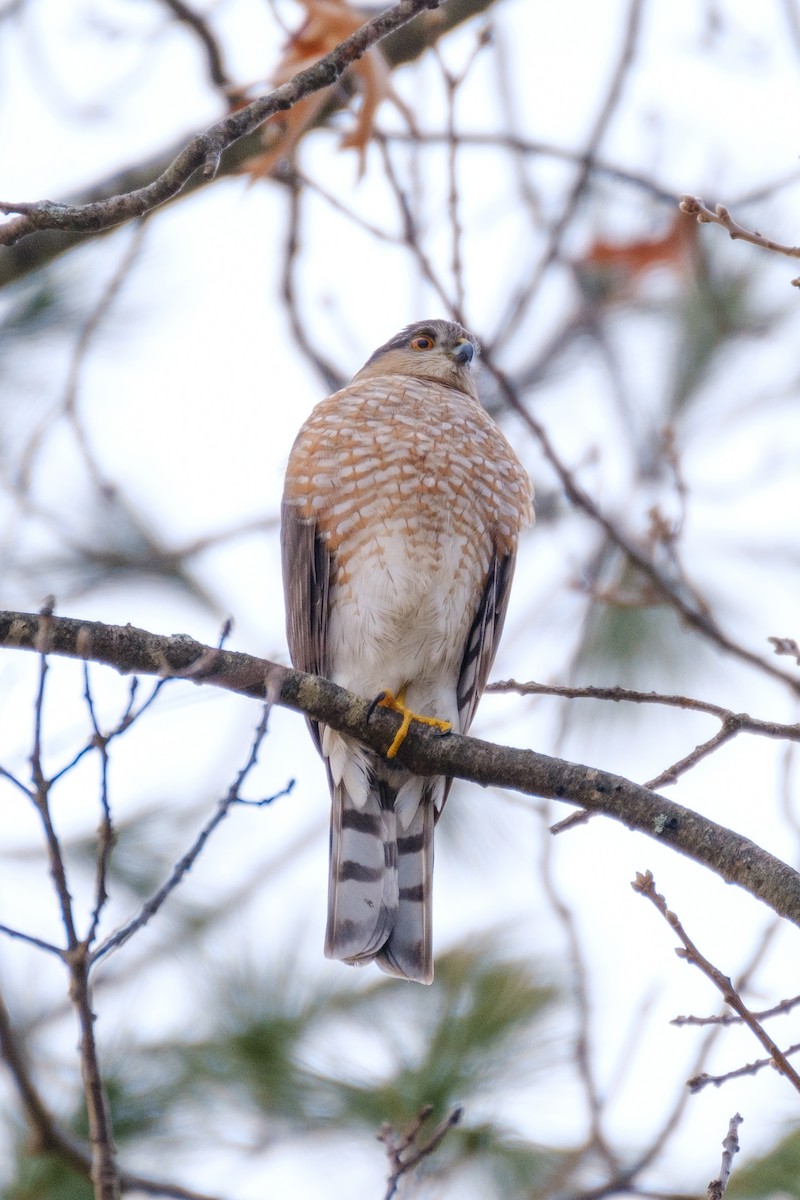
(377, 702)
(397, 704)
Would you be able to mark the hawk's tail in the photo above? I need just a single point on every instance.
(379, 892)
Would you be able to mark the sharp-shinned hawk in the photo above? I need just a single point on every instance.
(401, 513)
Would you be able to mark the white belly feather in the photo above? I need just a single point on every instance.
(406, 621)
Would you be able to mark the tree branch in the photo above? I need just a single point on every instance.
(204, 150)
(405, 1152)
(734, 858)
(720, 215)
(53, 1138)
(687, 603)
(645, 885)
(730, 1146)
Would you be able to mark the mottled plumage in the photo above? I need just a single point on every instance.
(401, 512)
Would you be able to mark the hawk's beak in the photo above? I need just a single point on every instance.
(463, 353)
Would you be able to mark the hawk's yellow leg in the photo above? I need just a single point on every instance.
(398, 704)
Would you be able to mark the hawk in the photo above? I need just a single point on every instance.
(402, 509)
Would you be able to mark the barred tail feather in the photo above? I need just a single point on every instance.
(407, 951)
(379, 886)
(362, 885)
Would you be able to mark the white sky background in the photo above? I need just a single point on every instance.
(193, 394)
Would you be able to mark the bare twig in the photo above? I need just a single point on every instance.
(645, 885)
(686, 602)
(585, 162)
(729, 730)
(580, 986)
(720, 215)
(40, 944)
(105, 833)
(789, 646)
(623, 1182)
(405, 1152)
(744, 722)
(730, 1146)
(695, 1083)
(4, 774)
(452, 83)
(104, 1174)
(215, 64)
(187, 861)
(411, 233)
(50, 1134)
(776, 1010)
(332, 378)
(735, 858)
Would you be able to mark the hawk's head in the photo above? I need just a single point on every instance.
(439, 350)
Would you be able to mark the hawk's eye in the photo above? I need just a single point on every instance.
(423, 342)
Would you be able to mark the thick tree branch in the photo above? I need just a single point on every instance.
(204, 150)
(130, 650)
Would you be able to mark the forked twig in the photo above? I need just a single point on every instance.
(645, 885)
(405, 1153)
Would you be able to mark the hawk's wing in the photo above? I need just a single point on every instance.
(484, 636)
(306, 583)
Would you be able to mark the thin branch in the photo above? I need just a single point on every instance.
(580, 987)
(332, 378)
(777, 1010)
(452, 83)
(105, 833)
(730, 1146)
(104, 1175)
(405, 1153)
(672, 774)
(720, 215)
(696, 1083)
(213, 51)
(104, 1172)
(569, 206)
(130, 650)
(187, 861)
(746, 723)
(49, 1135)
(670, 1125)
(645, 885)
(40, 944)
(204, 150)
(533, 147)
(411, 232)
(41, 789)
(52, 1138)
(4, 774)
(689, 606)
(68, 407)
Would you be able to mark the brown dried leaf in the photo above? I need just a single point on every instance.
(618, 266)
(327, 23)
